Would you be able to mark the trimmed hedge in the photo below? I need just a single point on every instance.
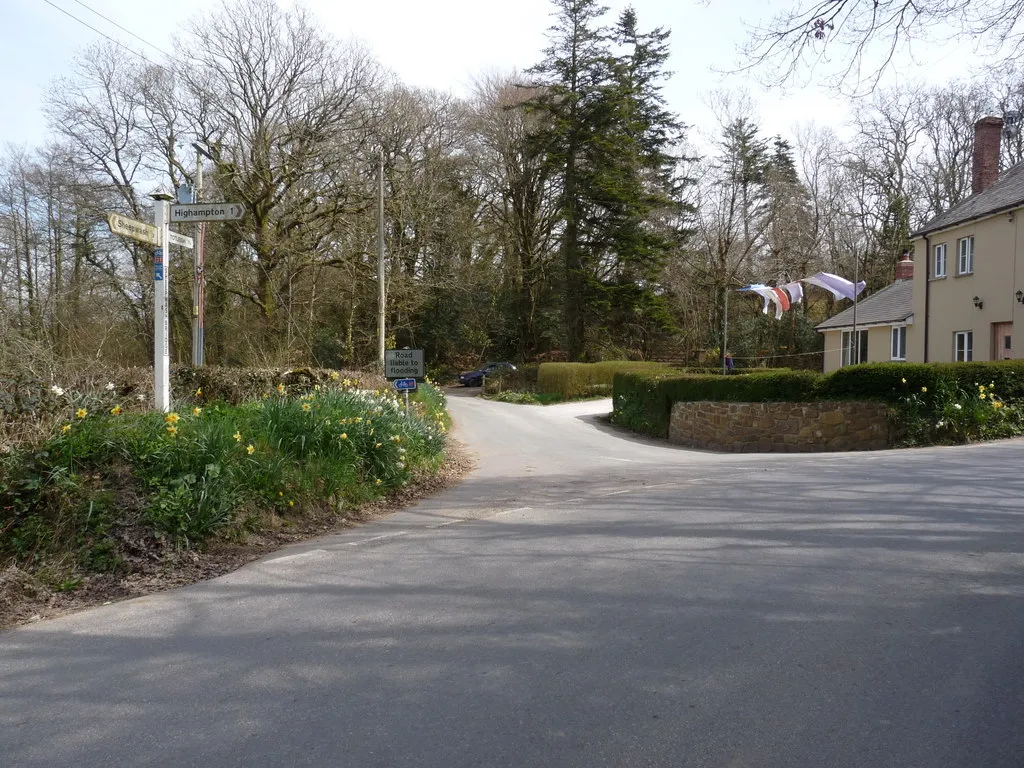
(884, 381)
(583, 379)
(642, 401)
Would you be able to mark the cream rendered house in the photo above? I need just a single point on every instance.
(969, 282)
(877, 330)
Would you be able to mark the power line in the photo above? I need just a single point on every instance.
(103, 34)
(123, 29)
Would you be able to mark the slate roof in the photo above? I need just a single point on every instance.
(892, 304)
(1005, 193)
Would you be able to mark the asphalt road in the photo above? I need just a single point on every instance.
(583, 599)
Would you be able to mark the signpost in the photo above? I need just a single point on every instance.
(159, 234)
(404, 366)
(207, 212)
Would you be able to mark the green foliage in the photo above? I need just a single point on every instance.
(643, 402)
(571, 380)
(935, 402)
(208, 469)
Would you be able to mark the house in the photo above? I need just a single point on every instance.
(970, 281)
(875, 330)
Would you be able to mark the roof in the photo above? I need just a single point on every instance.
(892, 304)
(1005, 193)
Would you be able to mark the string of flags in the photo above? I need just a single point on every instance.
(785, 296)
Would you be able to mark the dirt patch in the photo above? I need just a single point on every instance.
(152, 567)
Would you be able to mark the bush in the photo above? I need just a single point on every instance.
(643, 402)
(891, 381)
(586, 379)
(184, 475)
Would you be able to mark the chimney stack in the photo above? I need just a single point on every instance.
(905, 268)
(985, 163)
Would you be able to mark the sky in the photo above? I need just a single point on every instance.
(441, 44)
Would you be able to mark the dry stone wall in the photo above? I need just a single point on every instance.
(781, 427)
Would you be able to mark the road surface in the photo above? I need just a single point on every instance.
(585, 599)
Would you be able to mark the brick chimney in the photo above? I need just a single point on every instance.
(985, 163)
(905, 268)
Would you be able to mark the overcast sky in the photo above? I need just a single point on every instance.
(440, 44)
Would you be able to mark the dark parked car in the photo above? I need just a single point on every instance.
(476, 378)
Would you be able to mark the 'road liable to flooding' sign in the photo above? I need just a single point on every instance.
(403, 363)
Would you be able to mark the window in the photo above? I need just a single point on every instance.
(963, 346)
(852, 356)
(939, 268)
(899, 343)
(965, 264)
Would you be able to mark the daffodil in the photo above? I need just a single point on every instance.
(997, 404)
(238, 437)
(291, 503)
(250, 449)
(172, 418)
(199, 392)
(379, 481)
(305, 407)
(280, 388)
(904, 381)
(377, 445)
(172, 430)
(116, 410)
(334, 375)
(81, 413)
(924, 389)
(66, 428)
(343, 436)
(196, 411)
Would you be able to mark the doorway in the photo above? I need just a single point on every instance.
(1002, 341)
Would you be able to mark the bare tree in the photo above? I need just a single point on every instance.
(859, 38)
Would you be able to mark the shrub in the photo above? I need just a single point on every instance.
(200, 469)
(643, 402)
(585, 379)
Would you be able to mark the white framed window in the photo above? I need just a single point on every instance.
(939, 262)
(965, 263)
(899, 343)
(851, 354)
(963, 346)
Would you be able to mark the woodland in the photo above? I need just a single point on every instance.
(560, 212)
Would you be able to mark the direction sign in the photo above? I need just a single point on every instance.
(403, 363)
(404, 385)
(144, 233)
(136, 230)
(180, 240)
(207, 212)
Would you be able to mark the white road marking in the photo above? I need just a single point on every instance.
(616, 493)
(511, 511)
(377, 538)
(616, 458)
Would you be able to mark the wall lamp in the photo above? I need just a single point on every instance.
(979, 303)
(1020, 296)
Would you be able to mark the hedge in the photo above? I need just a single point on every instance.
(642, 401)
(583, 379)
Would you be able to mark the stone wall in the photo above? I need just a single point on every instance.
(780, 427)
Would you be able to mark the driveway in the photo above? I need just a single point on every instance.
(584, 598)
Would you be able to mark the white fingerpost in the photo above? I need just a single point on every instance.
(161, 340)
